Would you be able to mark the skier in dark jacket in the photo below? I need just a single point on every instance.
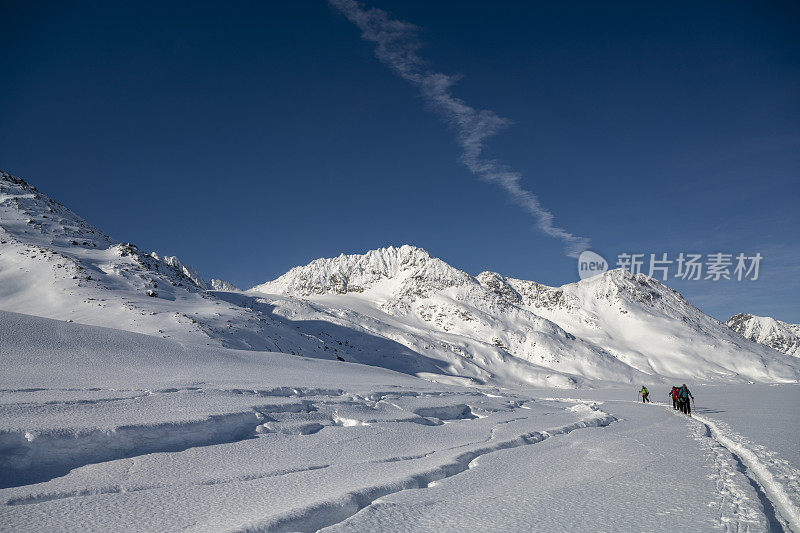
(684, 395)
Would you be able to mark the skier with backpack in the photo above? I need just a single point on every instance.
(684, 394)
(674, 395)
(644, 393)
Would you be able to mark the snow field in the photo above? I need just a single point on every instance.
(643, 472)
(109, 430)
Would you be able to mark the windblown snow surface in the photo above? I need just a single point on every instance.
(380, 392)
(116, 431)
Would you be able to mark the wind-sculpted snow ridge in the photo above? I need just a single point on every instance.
(334, 511)
(29, 457)
(768, 331)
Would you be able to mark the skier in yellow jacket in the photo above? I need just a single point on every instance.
(644, 394)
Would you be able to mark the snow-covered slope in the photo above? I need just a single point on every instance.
(615, 326)
(653, 328)
(107, 430)
(54, 264)
(768, 331)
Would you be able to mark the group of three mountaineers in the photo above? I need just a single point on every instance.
(680, 398)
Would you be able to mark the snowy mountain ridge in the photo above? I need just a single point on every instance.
(396, 307)
(616, 323)
(409, 273)
(776, 334)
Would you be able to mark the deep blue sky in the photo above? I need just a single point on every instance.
(252, 137)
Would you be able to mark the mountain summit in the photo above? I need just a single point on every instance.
(409, 271)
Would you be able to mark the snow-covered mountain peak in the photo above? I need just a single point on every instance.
(627, 291)
(768, 331)
(30, 218)
(405, 270)
(615, 324)
(620, 280)
(618, 289)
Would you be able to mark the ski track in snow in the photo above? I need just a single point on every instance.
(738, 512)
(775, 481)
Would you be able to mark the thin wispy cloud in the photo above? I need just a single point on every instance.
(397, 46)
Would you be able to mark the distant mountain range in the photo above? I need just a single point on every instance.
(398, 308)
(768, 331)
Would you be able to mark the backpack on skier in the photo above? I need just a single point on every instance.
(684, 394)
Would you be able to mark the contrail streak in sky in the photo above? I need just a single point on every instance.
(396, 45)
